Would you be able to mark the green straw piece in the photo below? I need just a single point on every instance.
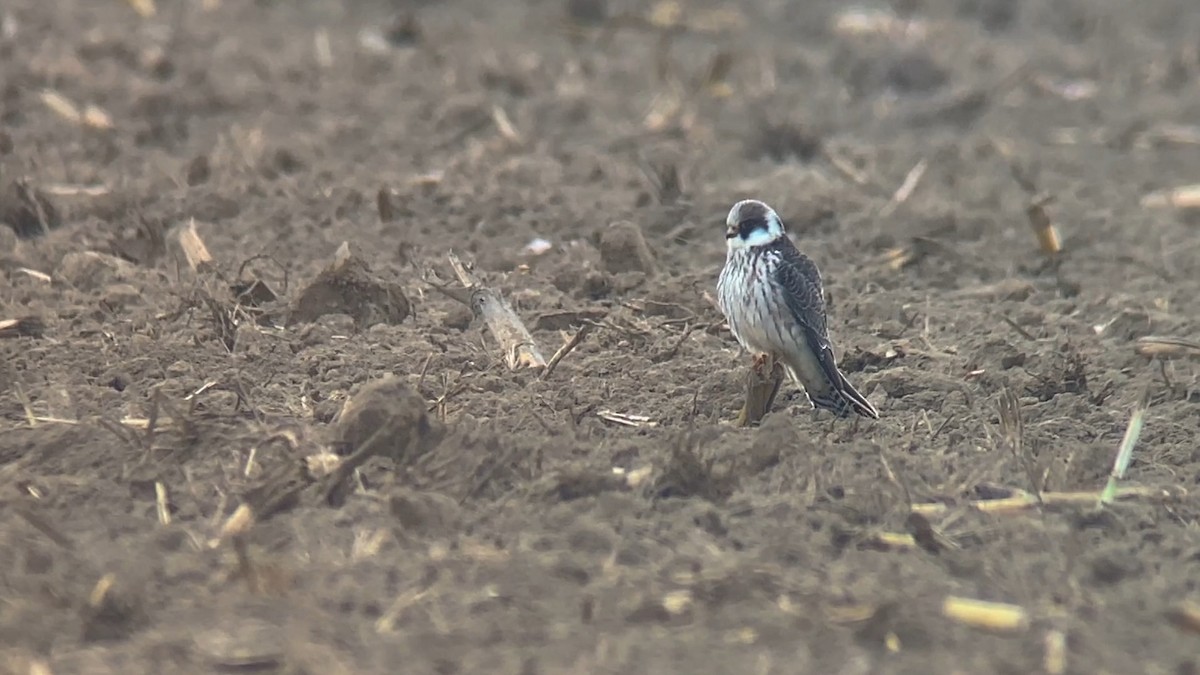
(1132, 432)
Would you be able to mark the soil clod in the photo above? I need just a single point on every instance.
(349, 287)
(623, 248)
(27, 210)
(387, 418)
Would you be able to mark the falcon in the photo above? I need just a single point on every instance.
(772, 296)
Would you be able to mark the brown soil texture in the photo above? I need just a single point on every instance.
(503, 522)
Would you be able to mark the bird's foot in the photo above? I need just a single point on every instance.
(759, 363)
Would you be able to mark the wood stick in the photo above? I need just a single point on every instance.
(30, 326)
(194, 249)
(762, 386)
(1043, 227)
(520, 351)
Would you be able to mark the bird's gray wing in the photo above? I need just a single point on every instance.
(800, 283)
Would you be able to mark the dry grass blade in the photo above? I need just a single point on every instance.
(225, 316)
(1054, 659)
(1010, 421)
(1161, 347)
(1039, 219)
(69, 190)
(1125, 452)
(1017, 327)
(387, 622)
(96, 117)
(897, 258)
(845, 166)
(36, 274)
(504, 125)
(1185, 616)
(627, 420)
(91, 115)
(1021, 501)
(899, 541)
(238, 524)
(162, 503)
(1183, 197)
(101, 590)
(62, 106)
(992, 616)
(863, 21)
(1005, 289)
(906, 189)
(1043, 227)
(1012, 425)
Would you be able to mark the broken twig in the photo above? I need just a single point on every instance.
(198, 257)
(567, 348)
(906, 188)
(520, 351)
(1161, 347)
(762, 386)
(627, 420)
(1125, 453)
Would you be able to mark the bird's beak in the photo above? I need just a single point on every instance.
(731, 231)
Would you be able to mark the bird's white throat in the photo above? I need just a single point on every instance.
(757, 237)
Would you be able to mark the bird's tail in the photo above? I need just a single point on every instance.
(842, 399)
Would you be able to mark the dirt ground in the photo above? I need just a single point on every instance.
(513, 523)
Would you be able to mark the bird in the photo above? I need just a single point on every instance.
(774, 302)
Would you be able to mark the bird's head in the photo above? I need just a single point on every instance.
(752, 223)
